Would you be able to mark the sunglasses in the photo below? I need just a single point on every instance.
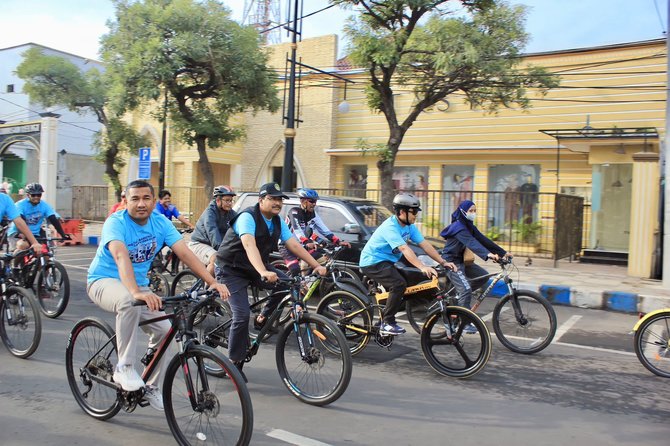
(413, 211)
(35, 195)
(311, 201)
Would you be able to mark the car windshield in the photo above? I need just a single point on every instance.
(372, 215)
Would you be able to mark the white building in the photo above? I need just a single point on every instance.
(19, 160)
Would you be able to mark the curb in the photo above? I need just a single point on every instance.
(620, 301)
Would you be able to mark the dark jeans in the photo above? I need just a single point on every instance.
(388, 276)
(237, 282)
(464, 288)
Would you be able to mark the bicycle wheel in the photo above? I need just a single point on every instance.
(52, 288)
(449, 350)
(21, 328)
(320, 376)
(351, 315)
(204, 410)
(90, 358)
(652, 344)
(327, 285)
(212, 329)
(524, 322)
(183, 281)
(418, 308)
(159, 284)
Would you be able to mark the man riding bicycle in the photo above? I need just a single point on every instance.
(117, 278)
(34, 211)
(244, 258)
(308, 228)
(168, 209)
(212, 226)
(387, 245)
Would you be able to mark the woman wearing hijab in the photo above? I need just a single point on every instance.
(462, 234)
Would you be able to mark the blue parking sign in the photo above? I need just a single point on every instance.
(145, 163)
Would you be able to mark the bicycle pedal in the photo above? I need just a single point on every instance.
(143, 403)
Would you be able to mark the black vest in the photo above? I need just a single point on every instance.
(232, 254)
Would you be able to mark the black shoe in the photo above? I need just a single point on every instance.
(239, 366)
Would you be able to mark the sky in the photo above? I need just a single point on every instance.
(75, 26)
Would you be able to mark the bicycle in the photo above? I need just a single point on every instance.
(652, 342)
(523, 320)
(21, 327)
(445, 346)
(197, 408)
(169, 262)
(46, 276)
(311, 353)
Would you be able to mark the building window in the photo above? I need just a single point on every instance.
(10, 88)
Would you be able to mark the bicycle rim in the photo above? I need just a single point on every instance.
(321, 376)
(52, 289)
(159, 285)
(448, 349)
(220, 413)
(652, 344)
(417, 309)
(351, 316)
(183, 282)
(91, 353)
(21, 327)
(528, 328)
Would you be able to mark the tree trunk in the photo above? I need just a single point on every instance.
(203, 162)
(111, 172)
(386, 165)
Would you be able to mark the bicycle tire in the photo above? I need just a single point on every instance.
(158, 284)
(211, 331)
(531, 329)
(459, 355)
(351, 315)
(652, 343)
(223, 412)
(87, 339)
(305, 378)
(182, 282)
(52, 288)
(327, 285)
(417, 309)
(23, 333)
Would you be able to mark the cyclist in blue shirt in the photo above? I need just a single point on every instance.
(8, 210)
(34, 211)
(170, 211)
(388, 245)
(244, 258)
(117, 278)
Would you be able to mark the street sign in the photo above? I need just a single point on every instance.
(145, 163)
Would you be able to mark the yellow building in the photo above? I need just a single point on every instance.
(607, 114)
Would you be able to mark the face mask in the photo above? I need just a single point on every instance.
(471, 216)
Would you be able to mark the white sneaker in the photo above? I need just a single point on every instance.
(153, 395)
(127, 377)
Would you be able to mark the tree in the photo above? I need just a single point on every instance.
(474, 49)
(212, 68)
(54, 80)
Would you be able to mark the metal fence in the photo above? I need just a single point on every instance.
(544, 225)
(529, 224)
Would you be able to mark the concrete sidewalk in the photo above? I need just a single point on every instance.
(603, 287)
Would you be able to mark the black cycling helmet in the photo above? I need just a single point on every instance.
(310, 194)
(34, 189)
(406, 201)
(220, 191)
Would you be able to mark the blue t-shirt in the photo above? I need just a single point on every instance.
(171, 211)
(143, 242)
(7, 208)
(384, 243)
(34, 214)
(245, 224)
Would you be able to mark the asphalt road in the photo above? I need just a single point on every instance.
(586, 389)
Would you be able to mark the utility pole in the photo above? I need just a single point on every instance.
(161, 162)
(665, 174)
(289, 132)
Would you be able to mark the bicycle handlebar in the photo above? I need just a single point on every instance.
(178, 298)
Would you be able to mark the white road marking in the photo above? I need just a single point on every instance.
(295, 439)
(565, 326)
